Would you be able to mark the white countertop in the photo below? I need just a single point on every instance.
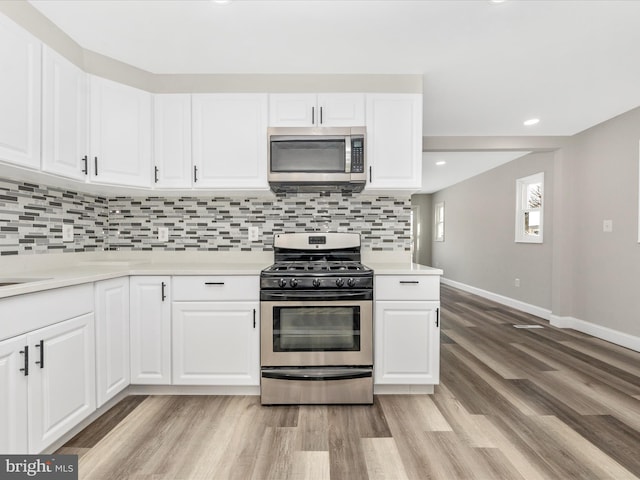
(383, 268)
(46, 272)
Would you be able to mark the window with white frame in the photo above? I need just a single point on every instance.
(529, 208)
(438, 215)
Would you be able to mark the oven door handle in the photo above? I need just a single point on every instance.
(314, 295)
(315, 375)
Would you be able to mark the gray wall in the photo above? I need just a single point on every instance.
(479, 248)
(604, 268)
(579, 271)
(422, 228)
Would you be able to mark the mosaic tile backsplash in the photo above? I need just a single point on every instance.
(31, 218)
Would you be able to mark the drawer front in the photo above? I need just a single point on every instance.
(31, 311)
(407, 287)
(216, 287)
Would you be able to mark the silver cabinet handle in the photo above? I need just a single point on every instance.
(406, 282)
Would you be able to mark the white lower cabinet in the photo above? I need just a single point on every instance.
(61, 381)
(216, 343)
(47, 366)
(407, 344)
(150, 330)
(112, 338)
(407, 330)
(13, 396)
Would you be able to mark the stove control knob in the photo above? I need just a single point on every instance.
(316, 282)
(351, 282)
(293, 282)
(339, 282)
(282, 283)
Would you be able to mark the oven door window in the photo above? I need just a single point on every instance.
(302, 156)
(316, 329)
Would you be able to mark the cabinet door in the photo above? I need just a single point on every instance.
(394, 141)
(341, 110)
(216, 343)
(407, 343)
(64, 112)
(292, 109)
(172, 140)
(120, 134)
(112, 338)
(62, 390)
(229, 141)
(19, 95)
(150, 331)
(13, 396)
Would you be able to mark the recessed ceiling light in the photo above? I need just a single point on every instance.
(531, 121)
(498, 1)
(441, 162)
(222, 2)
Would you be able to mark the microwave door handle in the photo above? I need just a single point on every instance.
(347, 153)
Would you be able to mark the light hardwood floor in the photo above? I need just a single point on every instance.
(512, 404)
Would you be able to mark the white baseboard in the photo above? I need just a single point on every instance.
(193, 390)
(403, 389)
(501, 299)
(619, 338)
(604, 333)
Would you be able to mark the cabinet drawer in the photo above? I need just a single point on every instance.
(407, 287)
(214, 287)
(24, 313)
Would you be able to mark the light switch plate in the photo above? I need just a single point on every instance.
(607, 226)
(163, 234)
(67, 233)
(254, 233)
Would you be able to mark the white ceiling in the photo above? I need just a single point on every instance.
(487, 66)
(459, 166)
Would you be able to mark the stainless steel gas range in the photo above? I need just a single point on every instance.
(316, 305)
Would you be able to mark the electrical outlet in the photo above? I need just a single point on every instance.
(163, 234)
(607, 226)
(517, 282)
(254, 232)
(67, 233)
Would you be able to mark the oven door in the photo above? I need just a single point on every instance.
(316, 333)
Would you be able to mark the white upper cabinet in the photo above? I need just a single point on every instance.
(172, 140)
(321, 110)
(120, 134)
(230, 141)
(20, 63)
(64, 117)
(394, 141)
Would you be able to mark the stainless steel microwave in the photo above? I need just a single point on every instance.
(317, 158)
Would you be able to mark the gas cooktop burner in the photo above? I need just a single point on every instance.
(317, 267)
(316, 261)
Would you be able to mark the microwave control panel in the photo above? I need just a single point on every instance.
(357, 155)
